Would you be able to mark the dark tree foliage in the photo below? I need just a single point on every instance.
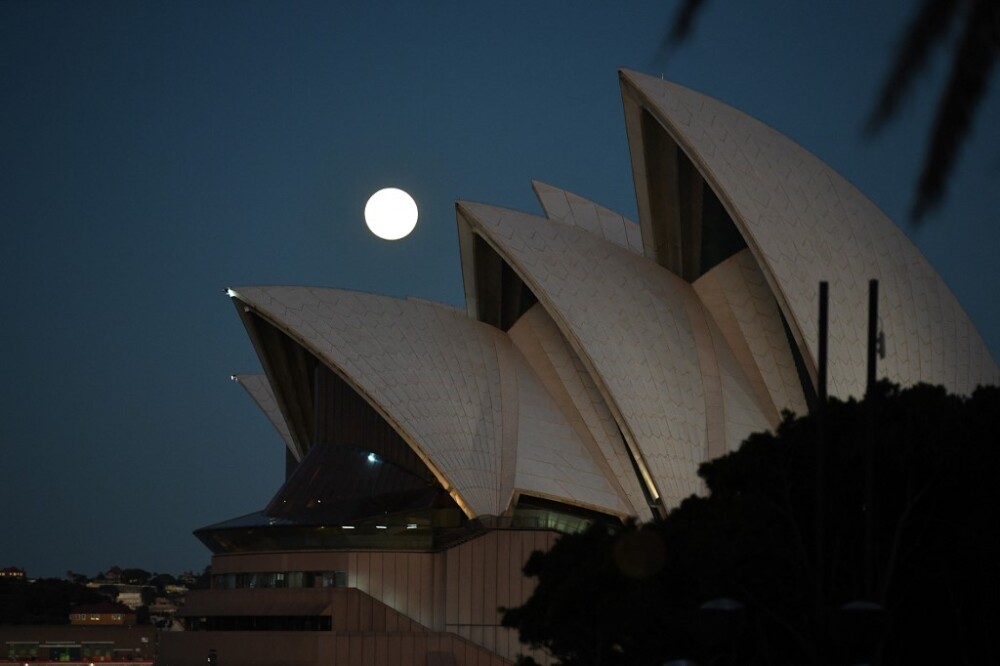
(44, 601)
(684, 19)
(135, 576)
(767, 570)
(161, 581)
(973, 58)
(972, 64)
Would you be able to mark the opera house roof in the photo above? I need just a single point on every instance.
(599, 360)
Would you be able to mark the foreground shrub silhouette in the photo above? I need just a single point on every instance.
(881, 545)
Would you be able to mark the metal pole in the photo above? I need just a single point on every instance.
(870, 441)
(872, 334)
(824, 299)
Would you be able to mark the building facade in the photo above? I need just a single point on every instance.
(597, 362)
(77, 645)
(103, 614)
(12, 573)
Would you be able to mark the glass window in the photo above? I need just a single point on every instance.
(22, 651)
(335, 579)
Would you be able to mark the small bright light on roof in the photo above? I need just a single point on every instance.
(234, 378)
(372, 458)
(230, 293)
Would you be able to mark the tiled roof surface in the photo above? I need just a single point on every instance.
(804, 223)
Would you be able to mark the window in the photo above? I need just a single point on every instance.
(280, 579)
(264, 623)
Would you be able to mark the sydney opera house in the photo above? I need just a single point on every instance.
(596, 363)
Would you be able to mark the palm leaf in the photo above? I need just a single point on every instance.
(971, 68)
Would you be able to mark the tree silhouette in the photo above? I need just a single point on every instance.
(44, 601)
(761, 572)
(972, 61)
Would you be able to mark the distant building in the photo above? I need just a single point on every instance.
(597, 363)
(12, 573)
(162, 606)
(113, 575)
(188, 578)
(105, 614)
(130, 596)
(26, 644)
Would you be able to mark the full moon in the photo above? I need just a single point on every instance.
(391, 213)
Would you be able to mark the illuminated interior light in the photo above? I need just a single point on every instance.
(380, 527)
(347, 527)
(411, 526)
(372, 458)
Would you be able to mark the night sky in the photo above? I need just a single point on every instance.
(155, 153)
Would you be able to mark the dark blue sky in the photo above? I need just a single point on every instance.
(155, 153)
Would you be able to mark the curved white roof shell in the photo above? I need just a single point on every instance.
(568, 208)
(643, 335)
(456, 390)
(736, 294)
(804, 223)
(260, 391)
(598, 361)
(566, 378)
